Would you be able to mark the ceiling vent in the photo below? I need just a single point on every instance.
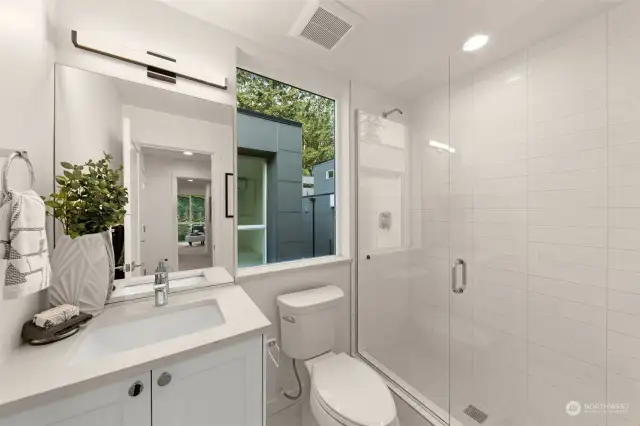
(326, 24)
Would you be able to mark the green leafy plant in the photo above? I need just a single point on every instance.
(90, 197)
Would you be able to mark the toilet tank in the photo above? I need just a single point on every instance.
(307, 321)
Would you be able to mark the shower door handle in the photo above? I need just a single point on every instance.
(458, 264)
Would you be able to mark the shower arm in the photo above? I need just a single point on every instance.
(386, 114)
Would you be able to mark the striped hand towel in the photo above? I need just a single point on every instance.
(23, 244)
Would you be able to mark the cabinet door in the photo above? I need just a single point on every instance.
(110, 405)
(221, 388)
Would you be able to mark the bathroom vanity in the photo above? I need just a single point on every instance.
(197, 361)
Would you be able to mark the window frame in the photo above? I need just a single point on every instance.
(342, 157)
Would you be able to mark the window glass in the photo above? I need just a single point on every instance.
(285, 178)
(191, 215)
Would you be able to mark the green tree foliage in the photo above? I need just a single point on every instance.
(183, 209)
(316, 113)
(197, 209)
(191, 210)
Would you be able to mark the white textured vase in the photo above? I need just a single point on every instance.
(83, 271)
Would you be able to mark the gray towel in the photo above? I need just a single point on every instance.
(23, 244)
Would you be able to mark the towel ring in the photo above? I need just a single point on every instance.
(7, 164)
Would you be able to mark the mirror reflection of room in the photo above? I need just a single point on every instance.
(174, 218)
(170, 148)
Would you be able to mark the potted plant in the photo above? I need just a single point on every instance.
(89, 201)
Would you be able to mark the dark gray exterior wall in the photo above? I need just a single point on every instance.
(321, 184)
(280, 141)
(318, 217)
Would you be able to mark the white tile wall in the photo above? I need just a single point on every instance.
(623, 315)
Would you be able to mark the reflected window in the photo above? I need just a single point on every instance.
(191, 218)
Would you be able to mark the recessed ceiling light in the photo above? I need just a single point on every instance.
(188, 153)
(514, 79)
(476, 42)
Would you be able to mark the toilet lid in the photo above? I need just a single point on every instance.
(354, 391)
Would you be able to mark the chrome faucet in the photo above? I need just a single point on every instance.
(161, 284)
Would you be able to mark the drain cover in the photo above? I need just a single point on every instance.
(476, 414)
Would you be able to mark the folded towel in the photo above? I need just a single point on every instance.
(54, 316)
(23, 244)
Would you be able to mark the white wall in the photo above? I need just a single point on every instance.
(88, 117)
(149, 127)
(158, 207)
(191, 188)
(26, 119)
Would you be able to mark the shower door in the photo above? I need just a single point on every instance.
(403, 281)
(441, 285)
(488, 218)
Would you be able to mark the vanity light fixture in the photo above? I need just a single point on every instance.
(189, 180)
(165, 70)
(187, 153)
(476, 42)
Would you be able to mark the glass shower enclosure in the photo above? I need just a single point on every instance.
(497, 237)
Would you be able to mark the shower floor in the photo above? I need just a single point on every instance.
(424, 372)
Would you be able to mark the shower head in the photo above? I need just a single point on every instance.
(388, 113)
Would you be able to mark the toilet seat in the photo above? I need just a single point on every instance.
(351, 392)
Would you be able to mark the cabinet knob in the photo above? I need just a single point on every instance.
(136, 389)
(164, 379)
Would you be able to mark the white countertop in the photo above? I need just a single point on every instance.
(34, 375)
(142, 287)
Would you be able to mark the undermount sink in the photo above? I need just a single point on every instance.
(157, 325)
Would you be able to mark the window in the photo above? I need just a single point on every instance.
(286, 156)
(252, 210)
(191, 215)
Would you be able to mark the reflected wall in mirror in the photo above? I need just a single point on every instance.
(174, 150)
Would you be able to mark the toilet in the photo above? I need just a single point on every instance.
(344, 391)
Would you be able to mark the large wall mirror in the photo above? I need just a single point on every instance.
(175, 151)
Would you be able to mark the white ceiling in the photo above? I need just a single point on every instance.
(174, 154)
(402, 44)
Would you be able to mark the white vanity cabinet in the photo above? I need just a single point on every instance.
(221, 388)
(109, 405)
